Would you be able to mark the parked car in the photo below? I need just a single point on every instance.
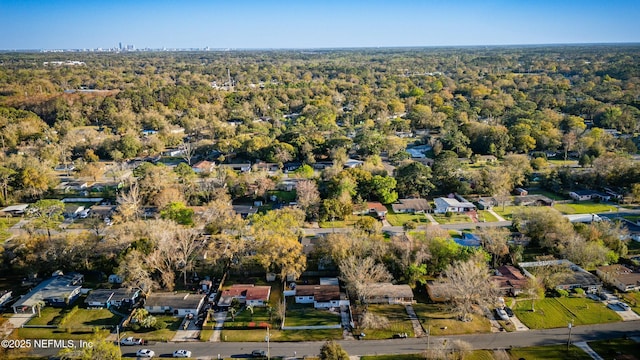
(614, 307)
(508, 311)
(623, 305)
(400, 336)
(603, 296)
(502, 315)
(130, 341)
(145, 353)
(182, 354)
(258, 353)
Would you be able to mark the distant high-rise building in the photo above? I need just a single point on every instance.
(131, 47)
(120, 46)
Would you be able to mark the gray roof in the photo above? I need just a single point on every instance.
(57, 287)
(389, 290)
(175, 300)
(412, 204)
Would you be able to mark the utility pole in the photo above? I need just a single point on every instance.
(569, 340)
(268, 348)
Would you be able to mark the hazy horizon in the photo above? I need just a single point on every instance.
(255, 25)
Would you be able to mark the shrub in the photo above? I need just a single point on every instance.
(448, 214)
(159, 325)
(579, 291)
(562, 293)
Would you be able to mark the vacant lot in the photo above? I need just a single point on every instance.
(443, 322)
(585, 207)
(485, 216)
(280, 335)
(549, 352)
(558, 312)
(81, 325)
(616, 349)
(398, 322)
(308, 316)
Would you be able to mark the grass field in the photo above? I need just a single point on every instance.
(348, 221)
(486, 216)
(81, 325)
(507, 211)
(280, 335)
(401, 219)
(549, 352)
(308, 316)
(584, 208)
(454, 219)
(173, 324)
(47, 315)
(558, 312)
(244, 318)
(5, 224)
(563, 162)
(398, 320)
(616, 349)
(443, 322)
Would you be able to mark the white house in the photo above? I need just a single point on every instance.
(584, 195)
(444, 205)
(179, 304)
(321, 296)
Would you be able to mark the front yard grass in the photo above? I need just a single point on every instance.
(83, 324)
(558, 312)
(258, 335)
(615, 348)
(585, 207)
(443, 322)
(485, 216)
(309, 316)
(549, 352)
(166, 334)
(453, 219)
(244, 319)
(347, 222)
(507, 211)
(633, 299)
(398, 322)
(401, 219)
(468, 355)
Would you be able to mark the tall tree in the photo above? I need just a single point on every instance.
(358, 273)
(47, 215)
(308, 197)
(413, 180)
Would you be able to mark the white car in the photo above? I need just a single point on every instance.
(502, 314)
(131, 341)
(145, 353)
(182, 354)
(623, 305)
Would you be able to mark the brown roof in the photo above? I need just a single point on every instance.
(412, 204)
(320, 293)
(248, 291)
(175, 300)
(621, 273)
(390, 290)
(204, 164)
(510, 277)
(376, 206)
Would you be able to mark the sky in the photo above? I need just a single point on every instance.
(241, 24)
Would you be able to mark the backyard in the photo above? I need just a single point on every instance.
(558, 312)
(440, 321)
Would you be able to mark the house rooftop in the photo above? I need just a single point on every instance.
(57, 287)
(455, 202)
(389, 289)
(411, 204)
(320, 293)
(621, 273)
(175, 300)
(248, 291)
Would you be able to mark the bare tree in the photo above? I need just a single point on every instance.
(308, 197)
(358, 273)
(188, 151)
(494, 241)
(468, 283)
(129, 203)
(186, 246)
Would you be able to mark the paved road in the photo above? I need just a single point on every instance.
(399, 346)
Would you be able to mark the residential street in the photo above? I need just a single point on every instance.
(398, 346)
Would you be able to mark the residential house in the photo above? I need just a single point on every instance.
(263, 166)
(14, 210)
(242, 167)
(321, 296)
(179, 304)
(352, 163)
(5, 296)
(623, 278)
(387, 293)
(533, 200)
(418, 152)
(57, 291)
(246, 294)
(573, 276)
(245, 210)
(105, 298)
(371, 208)
(510, 280)
(414, 206)
(486, 203)
(584, 195)
(454, 205)
(203, 166)
(521, 192)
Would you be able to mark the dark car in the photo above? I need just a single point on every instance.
(603, 296)
(508, 311)
(258, 353)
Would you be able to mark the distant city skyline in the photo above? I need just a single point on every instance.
(253, 24)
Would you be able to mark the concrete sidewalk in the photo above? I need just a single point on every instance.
(220, 317)
(585, 347)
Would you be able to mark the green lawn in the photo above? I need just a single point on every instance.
(166, 334)
(348, 221)
(549, 194)
(286, 196)
(471, 355)
(585, 207)
(616, 348)
(486, 216)
(244, 319)
(398, 322)
(453, 219)
(507, 211)
(308, 316)
(280, 335)
(563, 162)
(633, 299)
(401, 219)
(5, 224)
(81, 325)
(443, 322)
(558, 312)
(549, 352)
